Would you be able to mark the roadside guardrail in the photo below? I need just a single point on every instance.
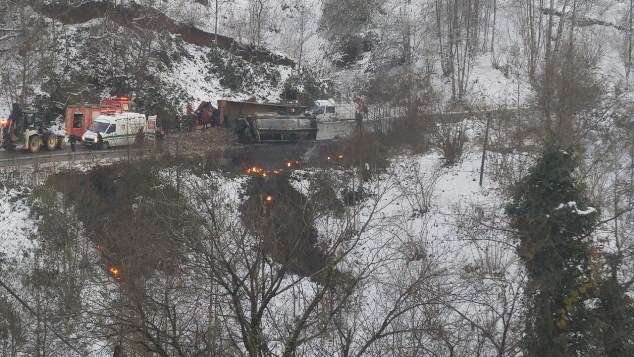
(93, 155)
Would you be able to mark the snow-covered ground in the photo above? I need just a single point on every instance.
(17, 227)
(414, 215)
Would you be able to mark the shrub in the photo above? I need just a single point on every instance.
(450, 140)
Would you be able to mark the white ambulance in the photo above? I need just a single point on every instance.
(116, 130)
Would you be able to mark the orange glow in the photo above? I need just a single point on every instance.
(264, 174)
(254, 170)
(340, 156)
(269, 198)
(115, 272)
(329, 158)
(288, 164)
(277, 172)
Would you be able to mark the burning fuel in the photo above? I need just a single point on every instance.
(115, 273)
(333, 157)
(264, 173)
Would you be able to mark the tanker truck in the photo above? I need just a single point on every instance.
(271, 127)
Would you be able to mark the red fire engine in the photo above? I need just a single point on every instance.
(79, 118)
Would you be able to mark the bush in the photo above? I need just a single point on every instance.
(352, 47)
(305, 89)
(239, 75)
(367, 153)
(450, 141)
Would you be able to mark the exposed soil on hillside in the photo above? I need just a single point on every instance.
(137, 16)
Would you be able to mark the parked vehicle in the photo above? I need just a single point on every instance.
(78, 118)
(26, 129)
(116, 130)
(328, 110)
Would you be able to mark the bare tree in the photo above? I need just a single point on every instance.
(257, 20)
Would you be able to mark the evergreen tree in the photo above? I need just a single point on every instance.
(615, 313)
(551, 216)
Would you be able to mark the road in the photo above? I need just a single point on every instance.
(333, 130)
(327, 132)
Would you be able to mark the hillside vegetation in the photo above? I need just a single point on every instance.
(484, 209)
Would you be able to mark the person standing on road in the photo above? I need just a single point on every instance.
(99, 141)
(72, 140)
(358, 115)
(140, 137)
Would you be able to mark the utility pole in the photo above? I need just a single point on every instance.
(216, 25)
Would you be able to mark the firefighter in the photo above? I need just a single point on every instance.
(160, 140)
(244, 129)
(140, 136)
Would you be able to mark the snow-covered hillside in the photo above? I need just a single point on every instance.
(390, 244)
(492, 74)
(414, 230)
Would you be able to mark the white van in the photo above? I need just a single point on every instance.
(116, 130)
(328, 110)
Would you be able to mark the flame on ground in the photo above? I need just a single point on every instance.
(114, 271)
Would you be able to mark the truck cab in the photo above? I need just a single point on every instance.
(328, 110)
(119, 104)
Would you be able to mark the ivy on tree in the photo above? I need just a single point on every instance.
(552, 217)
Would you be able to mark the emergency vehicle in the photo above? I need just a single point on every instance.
(78, 118)
(118, 129)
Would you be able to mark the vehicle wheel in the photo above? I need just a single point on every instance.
(106, 146)
(34, 144)
(51, 142)
(61, 143)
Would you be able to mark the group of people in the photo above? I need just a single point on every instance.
(206, 115)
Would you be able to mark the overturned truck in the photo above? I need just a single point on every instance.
(275, 128)
(264, 122)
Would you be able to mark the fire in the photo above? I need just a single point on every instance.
(254, 170)
(329, 158)
(264, 173)
(268, 198)
(340, 156)
(115, 272)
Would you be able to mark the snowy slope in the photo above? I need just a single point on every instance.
(17, 227)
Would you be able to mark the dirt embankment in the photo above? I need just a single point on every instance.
(138, 16)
